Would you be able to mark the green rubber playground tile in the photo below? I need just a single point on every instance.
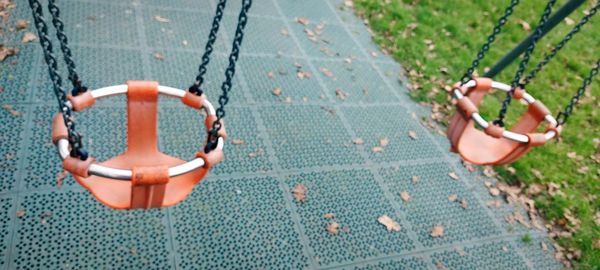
(363, 37)
(308, 136)
(98, 23)
(6, 219)
(333, 42)
(186, 29)
(236, 223)
(429, 204)
(264, 74)
(314, 10)
(490, 255)
(259, 8)
(374, 123)
(202, 5)
(408, 264)
(358, 82)
(71, 230)
(179, 69)
(345, 13)
(15, 74)
(262, 36)
(12, 124)
(180, 138)
(104, 136)
(360, 236)
(536, 255)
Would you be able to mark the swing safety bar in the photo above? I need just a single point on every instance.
(63, 145)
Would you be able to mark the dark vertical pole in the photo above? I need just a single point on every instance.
(556, 18)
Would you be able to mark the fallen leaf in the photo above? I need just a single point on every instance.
(437, 231)
(340, 94)
(389, 223)
(237, 141)
(569, 21)
(284, 32)
(328, 216)
(326, 72)
(161, 19)
(302, 20)
(348, 3)
(28, 37)
(464, 204)
(258, 152)
(453, 175)
(21, 24)
(405, 196)
(494, 203)
(60, 177)
(20, 213)
(377, 149)
(332, 227)
(384, 142)
(583, 170)
(461, 252)
(525, 25)
(452, 197)
(412, 134)
(299, 192)
(358, 141)
(5, 52)
(534, 189)
(544, 246)
(494, 191)
(414, 179)
(277, 91)
(489, 171)
(270, 74)
(159, 56)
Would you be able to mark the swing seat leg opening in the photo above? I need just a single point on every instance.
(150, 185)
(494, 145)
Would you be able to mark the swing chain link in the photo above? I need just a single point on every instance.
(490, 39)
(64, 46)
(516, 82)
(73, 136)
(562, 117)
(212, 37)
(213, 135)
(561, 44)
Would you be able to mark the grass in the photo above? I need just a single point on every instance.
(428, 35)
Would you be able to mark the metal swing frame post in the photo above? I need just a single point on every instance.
(556, 18)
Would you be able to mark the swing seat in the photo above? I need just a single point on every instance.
(493, 145)
(141, 177)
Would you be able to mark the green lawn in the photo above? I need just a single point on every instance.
(431, 36)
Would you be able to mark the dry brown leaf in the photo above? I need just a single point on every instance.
(405, 196)
(302, 20)
(20, 213)
(158, 56)
(437, 231)
(452, 197)
(383, 142)
(161, 19)
(277, 91)
(348, 3)
(583, 169)
(284, 32)
(299, 192)
(328, 216)
(569, 21)
(258, 152)
(544, 246)
(489, 171)
(453, 175)
(412, 134)
(358, 141)
(389, 223)
(414, 179)
(28, 37)
(21, 24)
(534, 189)
(377, 149)
(332, 227)
(340, 94)
(326, 72)
(494, 191)
(525, 25)
(60, 177)
(464, 204)
(271, 74)
(237, 141)
(5, 52)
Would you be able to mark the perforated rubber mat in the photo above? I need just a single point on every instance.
(336, 87)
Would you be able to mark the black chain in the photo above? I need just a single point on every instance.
(64, 46)
(229, 73)
(562, 117)
(561, 44)
(491, 38)
(212, 37)
(61, 96)
(523, 64)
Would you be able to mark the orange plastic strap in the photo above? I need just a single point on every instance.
(77, 166)
(82, 101)
(59, 129)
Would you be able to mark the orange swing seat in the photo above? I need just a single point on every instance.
(492, 144)
(151, 183)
